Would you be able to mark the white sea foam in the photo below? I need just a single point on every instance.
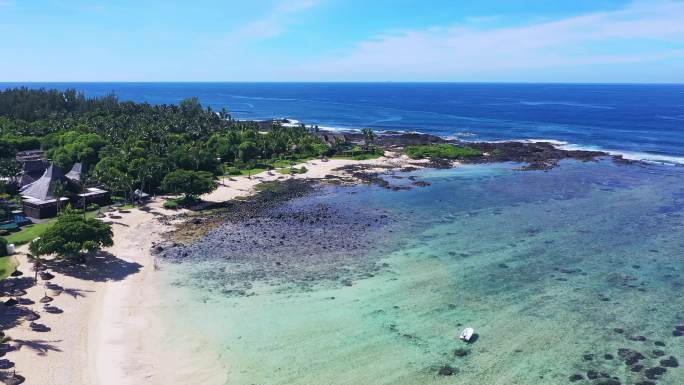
(564, 145)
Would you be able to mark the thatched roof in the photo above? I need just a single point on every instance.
(43, 189)
(75, 173)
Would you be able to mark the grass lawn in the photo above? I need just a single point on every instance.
(7, 266)
(31, 232)
(358, 157)
(28, 233)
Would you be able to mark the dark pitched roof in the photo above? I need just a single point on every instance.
(44, 187)
(75, 173)
(34, 165)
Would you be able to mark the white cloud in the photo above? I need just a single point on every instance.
(643, 31)
(272, 25)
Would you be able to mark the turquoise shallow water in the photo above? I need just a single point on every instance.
(545, 266)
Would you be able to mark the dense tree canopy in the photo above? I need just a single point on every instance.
(71, 235)
(190, 183)
(129, 145)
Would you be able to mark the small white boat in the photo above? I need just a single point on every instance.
(467, 334)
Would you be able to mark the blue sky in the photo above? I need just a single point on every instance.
(343, 40)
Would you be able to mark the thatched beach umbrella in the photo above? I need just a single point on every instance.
(17, 293)
(6, 364)
(46, 299)
(52, 309)
(11, 302)
(32, 316)
(46, 276)
(38, 265)
(36, 327)
(14, 379)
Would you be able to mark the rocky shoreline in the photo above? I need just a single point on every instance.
(538, 155)
(278, 236)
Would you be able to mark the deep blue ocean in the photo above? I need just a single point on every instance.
(640, 121)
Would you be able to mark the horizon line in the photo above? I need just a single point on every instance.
(324, 82)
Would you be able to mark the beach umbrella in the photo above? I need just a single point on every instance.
(17, 273)
(11, 302)
(32, 316)
(14, 379)
(38, 266)
(6, 364)
(46, 276)
(52, 309)
(18, 293)
(46, 299)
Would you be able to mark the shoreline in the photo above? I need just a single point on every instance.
(111, 333)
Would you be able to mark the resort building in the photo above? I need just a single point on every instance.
(32, 170)
(39, 199)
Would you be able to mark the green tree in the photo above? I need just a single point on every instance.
(72, 235)
(11, 170)
(368, 138)
(59, 190)
(248, 150)
(190, 183)
(3, 247)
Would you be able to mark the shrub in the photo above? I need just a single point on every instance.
(188, 182)
(71, 235)
(92, 207)
(3, 247)
(445, 151)
(171, 205)
(233, 171)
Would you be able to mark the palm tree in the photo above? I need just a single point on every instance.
(59, 191)
(368, 137)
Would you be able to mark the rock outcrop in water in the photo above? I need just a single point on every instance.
(275, 237)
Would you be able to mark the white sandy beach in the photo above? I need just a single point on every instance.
(108, 332)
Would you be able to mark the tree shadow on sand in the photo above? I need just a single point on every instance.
(72, 292)
(102, 267)
(40, 347)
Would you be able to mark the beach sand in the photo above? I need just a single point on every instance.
(108, 331)
(316, 169)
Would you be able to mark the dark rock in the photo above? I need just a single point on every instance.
(446, 370)
(658, 353)
(619, 330)
(588, 357)
(677, 333)
(645, 382)
(608, 356)
(669, 362)
(576, 377)
(637, 368)
(609, 381)
(659, 343)
(631, 357)
(654, 373)
(592, 375)
(461, 352)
